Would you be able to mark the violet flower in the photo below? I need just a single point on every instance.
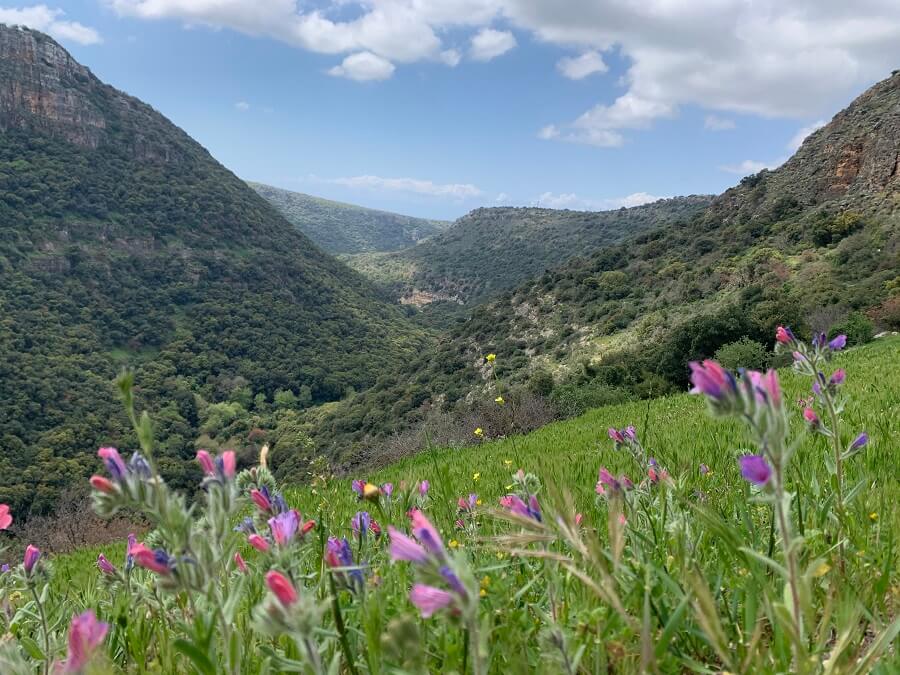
(755, 469)
(86, 634)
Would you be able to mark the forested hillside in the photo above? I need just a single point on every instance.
(124, 243)
(494, 249)
(345, 228)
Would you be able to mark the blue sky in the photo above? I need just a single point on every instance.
(666, 111)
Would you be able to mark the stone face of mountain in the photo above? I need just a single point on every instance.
(347, 229)
(491, 250)
(124, 243)
(852, 162)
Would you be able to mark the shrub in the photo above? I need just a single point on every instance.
(743, 353)
(572, 400)
(858, 329)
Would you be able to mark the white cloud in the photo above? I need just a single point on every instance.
(47, 20)
(716, 123)
(570, 200)
(634, 199)
(548, 133)
(502, 198)
(798, 138)
(488, 44)
(750, 166)
(413, 185)
(242, 106)
(451, 57)
(363, 67)
(579, 67)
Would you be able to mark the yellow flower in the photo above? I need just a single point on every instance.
(873, 516)
(453, 543)
(490, 358)
(485, 581)
(482, 593)
(508, 462)
(371, 491)
(478, 502)
(822, 569)
(479, 432)
(500, 555)
(499, 400)
(476, 476)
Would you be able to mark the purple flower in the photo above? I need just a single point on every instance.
(838, 343)
(358, 486)
(387, 489)
(630, 433)
(784, 335)
(113, 462)
(85, 635)
(129, 558)
(429, 599)
(860, 441)
(453, 581)
(616, 435)
(516, 505)
(755, 469)
(338, 555)
(838, 377)
(284, 527)
(405, 548)
(105, 566)
(711, 379)
(4, 568)
(704, 469)
(32, 554)
(427, 534)
(361, 522)
(423, 488)
(139, 466)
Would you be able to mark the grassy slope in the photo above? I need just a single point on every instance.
(675, 429)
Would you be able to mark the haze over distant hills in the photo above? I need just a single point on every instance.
(345, 228)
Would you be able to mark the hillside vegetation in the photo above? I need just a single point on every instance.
(494, 249)
(122, 242)
(345, 228)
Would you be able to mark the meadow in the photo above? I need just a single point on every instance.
(694, 563)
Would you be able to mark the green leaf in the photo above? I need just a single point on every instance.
(197, 656)
(32, 647)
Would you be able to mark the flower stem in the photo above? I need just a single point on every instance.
(341, 628)
(839, 474)
(43, 615)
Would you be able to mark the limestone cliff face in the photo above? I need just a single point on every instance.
(852, 162)
(43, 89)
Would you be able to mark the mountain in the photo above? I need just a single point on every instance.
(494, 249)
(814, 244)
(123, 242)
(344, 228)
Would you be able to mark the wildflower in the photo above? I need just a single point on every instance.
(755, 469)
(86, 633)
(427, 534)
(860, 441)
(32, 554)
(837, 378)
(284, 527)
(257, 542)
(387, 489)
(129, 558)
(206, 463)
(630, 433)
(240, 563)
(499, 400)
(5, 517)
(282, 588)
(579, 518)
(606, 481)
(4, 568)
(371, 492)
(453, 544)
(261, 499)
(517, 505)
(105, 566)
(873, 516)
(358, 486)
(226, 464)
(507, 462)
(766, 387)
(616, 435)
(339, 555)
(264, 456)
(479, 432)
(838, 343)
(810, 416)
(154, 560)
(429, 599)
(423, 488)
(460, 524)
(704, 469)
(784, 335)
(101, 484)
(405, 548)
(712, 379)
(467, 504)
(113, 462)
(490, 358)
(476, 476)
(361, 523)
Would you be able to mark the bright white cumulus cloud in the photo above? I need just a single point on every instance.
(488, 44)
(363, 67)
(570, 200)
(51, 21)
(409, 185)
(579, 67)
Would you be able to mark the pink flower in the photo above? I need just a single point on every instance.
(154, 560)
(579, 518)
(102, 484)
(261, 500)
(810, 416)
(427, 533)
(282, 588)
(429, 599)
(32, 554)
(838, 377)
(423, 488)
(388, 489)
(5, 517)
(310, 525)
(711, 379)
(616, 435)
(405, 548)
(257, 542)
(105, 566)
(284, 527)
(784, 335)
(113, 462)
(358, 486)
(229, 463)
(239, 561)
(85, 635)
(206, 462)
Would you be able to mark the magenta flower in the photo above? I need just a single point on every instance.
(838, 377)
(6, 518)
(102, 484)
(860, 441)
(517, 505)
(105, 566)
(755, 469)
(810, 416)
(257, 542)
(358, 486)
(361, 523)
(154, 560)
(339, 557)
(607, 482)
(113, 462)
(579, 518)
(205, 460)
(616, 435)
(469, 504)
(227, 464)
(261, 499)
(838, 343)
(712, 379)
(427, 534)
(429, 599)
(86, 634)
(784, 335)
(284, 527)
(630, 433)
(282, 588)
(129, 558)
(405, 548)
(387, 489)
(423, 488)
(32, 554)
(240, 563)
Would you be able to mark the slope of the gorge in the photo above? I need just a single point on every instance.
(346, 228)
(491, 250)
(813, 244)
(123, 242)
